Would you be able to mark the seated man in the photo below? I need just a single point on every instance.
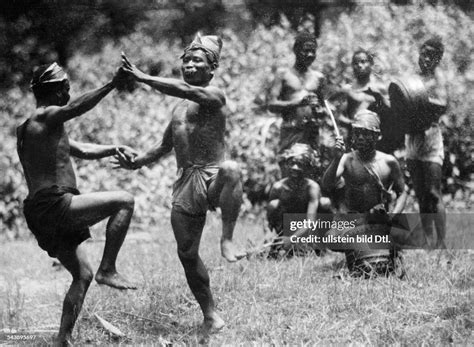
(56, 213)
(206, 180)
(295, 194)
(367, 175)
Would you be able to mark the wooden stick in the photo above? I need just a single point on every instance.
(332, 118)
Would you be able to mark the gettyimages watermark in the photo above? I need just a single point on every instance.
(378, 231)
(11, 337)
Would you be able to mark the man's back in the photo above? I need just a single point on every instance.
(45, 155)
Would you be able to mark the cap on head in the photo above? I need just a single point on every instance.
(210, 44)
(436, 43)
(305, 155)
(366, 119)
(302, 38)
(48, 74)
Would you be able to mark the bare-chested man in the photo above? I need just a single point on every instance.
(295, 194)
(206, 180)
(56, 213)
(365, 93)
(366, 173)
(297, 95)
(424, 149)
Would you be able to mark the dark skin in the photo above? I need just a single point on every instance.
(294, 194)
(46, 160)
(361, 192)
(296, 95)
(427, 175)
(196, 133)
(364, 93)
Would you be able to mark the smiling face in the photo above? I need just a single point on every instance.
(196, 69)
(361, 65)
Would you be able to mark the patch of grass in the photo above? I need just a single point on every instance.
(294, 301)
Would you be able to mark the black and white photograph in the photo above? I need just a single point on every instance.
(233, 173)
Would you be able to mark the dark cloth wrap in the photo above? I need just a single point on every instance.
(47, 217)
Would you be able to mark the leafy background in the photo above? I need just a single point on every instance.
(88, 36)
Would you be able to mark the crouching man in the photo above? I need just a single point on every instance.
(296, 194)
(367, 175)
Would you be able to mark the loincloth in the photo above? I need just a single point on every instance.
(47, 218)
(190, 190)
(426, 146)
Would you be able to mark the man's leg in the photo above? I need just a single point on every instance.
(187, 231)
(226, 193)
(75, 261)
(418, 177)
(89, 209)
(434, 200)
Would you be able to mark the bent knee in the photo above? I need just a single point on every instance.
(230, 170)
(127, 200)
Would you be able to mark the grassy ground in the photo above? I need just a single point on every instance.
(297, 301)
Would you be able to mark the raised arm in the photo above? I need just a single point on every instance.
(336, 168)
(208, 96)
(56, 115)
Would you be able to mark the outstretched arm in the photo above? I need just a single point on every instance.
(151, 156)
(90, 151)
(56, 115)
(209, 96)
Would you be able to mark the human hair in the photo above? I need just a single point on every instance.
(436, 43)
(302, 38)
(370, 56)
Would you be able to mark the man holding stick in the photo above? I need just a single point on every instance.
(56, 213)
(206, 180)
(367, 175)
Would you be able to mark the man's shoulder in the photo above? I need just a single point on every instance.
(388, 158)
(316, 73)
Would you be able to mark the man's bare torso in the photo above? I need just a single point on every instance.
(45, 156)
(293, 199)
(361, 189)
(198, 134)
(298, 123)
(358, 99)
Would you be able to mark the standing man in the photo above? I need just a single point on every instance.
(206, 180)
(56, 213)
(367, 175)
(364, 93)
(297, 95)
(425, 151)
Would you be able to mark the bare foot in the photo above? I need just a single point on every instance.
(114, 280)
(229, 252)
(62, 341)
(212, 324)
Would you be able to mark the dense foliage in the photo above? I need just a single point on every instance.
(138, 118)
